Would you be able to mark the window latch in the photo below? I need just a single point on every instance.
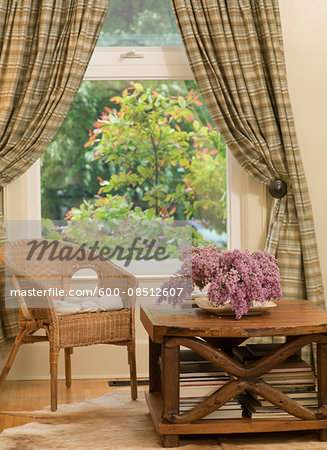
(132, 54)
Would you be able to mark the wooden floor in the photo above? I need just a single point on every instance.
(31, 395)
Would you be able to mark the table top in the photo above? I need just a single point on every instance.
(288, 318)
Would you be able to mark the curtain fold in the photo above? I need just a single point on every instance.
(45, 48)
(8, 317)
(235, 50)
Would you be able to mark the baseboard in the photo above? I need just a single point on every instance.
(114, 383)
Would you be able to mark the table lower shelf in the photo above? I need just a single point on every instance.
(226, 426)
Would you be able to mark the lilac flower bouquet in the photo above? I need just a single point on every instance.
(234, 277)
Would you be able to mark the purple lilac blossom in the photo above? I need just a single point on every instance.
(233, 276)
(204, 264)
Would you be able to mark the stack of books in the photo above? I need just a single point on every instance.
(199, 379)
(294, 377)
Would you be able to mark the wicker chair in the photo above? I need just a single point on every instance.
(109, 327)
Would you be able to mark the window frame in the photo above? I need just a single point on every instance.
(149, 63)
(246, 223)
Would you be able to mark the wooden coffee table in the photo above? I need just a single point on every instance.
(299, 320)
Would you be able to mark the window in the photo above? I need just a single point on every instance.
(71, 176)
(159, 57)
(159, 64)
(140, 23)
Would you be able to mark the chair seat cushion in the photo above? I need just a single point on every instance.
(79, 305)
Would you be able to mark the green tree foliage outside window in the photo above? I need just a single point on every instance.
(159, 156)
(191, 178)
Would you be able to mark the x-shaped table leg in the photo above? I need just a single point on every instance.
(246, 378)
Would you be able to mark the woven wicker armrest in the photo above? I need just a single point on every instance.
(39, 306)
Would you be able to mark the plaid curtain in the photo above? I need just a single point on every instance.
(8, 317)
(235, 50)
(45, 48)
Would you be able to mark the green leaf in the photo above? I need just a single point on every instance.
(196, 125)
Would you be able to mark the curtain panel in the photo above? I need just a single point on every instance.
(235, 50)
(45, 48)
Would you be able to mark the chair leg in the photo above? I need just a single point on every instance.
(68, 367)
(54, 378)
(132, 370)
(11, 357)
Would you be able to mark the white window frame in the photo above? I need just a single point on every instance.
(144, 63)
(247, 203)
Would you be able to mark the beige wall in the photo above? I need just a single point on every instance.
(305, 42)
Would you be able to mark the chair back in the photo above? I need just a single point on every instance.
(49, 265)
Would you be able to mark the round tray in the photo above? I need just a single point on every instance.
(255, 310)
